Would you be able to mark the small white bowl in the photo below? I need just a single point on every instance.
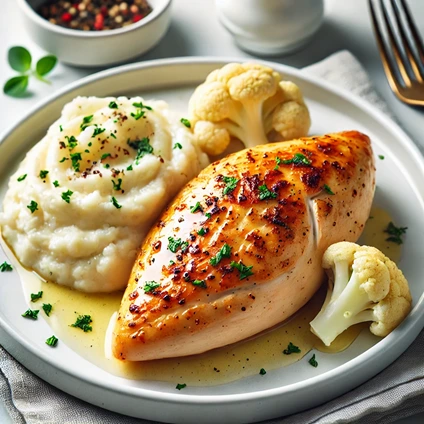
(97, 48)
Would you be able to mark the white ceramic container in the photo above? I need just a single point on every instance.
(271, 27)
(97, 48)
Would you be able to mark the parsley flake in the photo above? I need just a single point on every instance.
(30, 313)
(6, 267)
(63, 160)
(56, 183)
(328, 189)
(202, 231)
(60, 127)
(265, 193)
(85, 121)
(230, 184)
(47, 308)
(395, 233)
(313, 361)
(175, 244)
(43, 174)
(199, 283)
(196, 208)
(297, 159)
(115, 203)
(72, 142)
(22, 177)
(277, 163)
(262, 371)
(98, 131)
(52, 341)
(291, 348)
(113, 135)
(129, 168)
(150, 286)
(117, 186)
(83, 322)
(105, 155)
(33, 206)
(113, 105)
(186, 122)
(140, 105)
(381, 157)
(245, 271)
(142, 146)
(36, 296)
(181, 386)
(66, 196)
(225, 252)
(75, 159)
(178, 146)
(139, 114)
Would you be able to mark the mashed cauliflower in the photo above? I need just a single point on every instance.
(83, 199)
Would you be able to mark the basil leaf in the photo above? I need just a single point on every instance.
(45, 65)
(19, 59)
(16, 85)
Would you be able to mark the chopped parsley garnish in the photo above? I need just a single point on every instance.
(199, 283)
(129, 168)
(63, 160)
(140, 105)
(5, 267)
(381, 157)
(66, 195)
(33, 206)
(185, 122)
(150, 286)
(30, 313)
(115, 203)
(277, 163)
(83, 322)
(297, 159)
(328, 189)
(106, 165)
(43, 174)
(208, 215)
(175, 244)
(245, 271)
(72, 142)
(262, 371)
(265, 193)
(313, 361)
(171, 263)
(196, 208)
(291, 348)
(181, 386)
(47, 308)
(178, 146)
(52, 341)
(56, 183)
(113, 105)
(201, 232)
(36, 296)
(117, 186)
(112, 135)
(139, 114)
(230, 184)
(395, 233)
(105, 155)
(60, 127)
(142, 146)
(225, 252)
(75, 159)
(85, 121)
(22, 177)
(90, 144)
(98, 131)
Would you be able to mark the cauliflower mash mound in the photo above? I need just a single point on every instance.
(83, 199)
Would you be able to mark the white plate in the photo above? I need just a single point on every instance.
(287, 390)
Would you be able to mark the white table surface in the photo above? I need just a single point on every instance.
(195, 31)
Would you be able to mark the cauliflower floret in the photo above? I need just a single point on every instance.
(247, 102)
(364, 285)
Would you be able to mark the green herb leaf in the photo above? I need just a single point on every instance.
(117, 186)
(32, 314)
(139, 114)
(75, 159)
(231, 184)
(19, 59)
(186, 122)
(43, 174)
(63, 160)
(115, 203)
(175, 244)
(16, 86)
(36, 296)
(225, 252)
(83, 322)
(202, 231)
(52, 341)
(381, 157)
(395, 233)
(140, 105)
(178, 146)
(245, 271)
(142, 146)
(22, 177)
(313, 361)
(129, 168)
(113, 105)
(33, 206)
(60, 128)
(277, 161)
(181, 386)
(72, 142)
(98, 131)
(199, 283)
(196, 208)
(291, 348)
(105, 155)
(262, 371)
(113, 135)
(150, 286)
(85, 121)
(66, 196)
(265, 193)
(56, 183)
(47, 308)
(297, 159)
(45, 65)
(328, 189)
(6, 267)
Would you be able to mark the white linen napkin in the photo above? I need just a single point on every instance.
(395, 393)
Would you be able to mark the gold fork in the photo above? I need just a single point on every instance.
(401, 56)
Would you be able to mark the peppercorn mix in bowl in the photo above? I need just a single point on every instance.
(96, 32)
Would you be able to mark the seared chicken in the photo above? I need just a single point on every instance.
(239, 249)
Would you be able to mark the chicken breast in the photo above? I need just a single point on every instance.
(239, 249)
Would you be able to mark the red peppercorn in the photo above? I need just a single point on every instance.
(99, 22)
(66, 17)
(137, 17)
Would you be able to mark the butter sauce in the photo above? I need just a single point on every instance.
(215, 367)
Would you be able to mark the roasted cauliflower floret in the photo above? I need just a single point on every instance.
(364, 285)
(248, 102)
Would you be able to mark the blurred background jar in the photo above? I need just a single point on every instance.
(271, 27)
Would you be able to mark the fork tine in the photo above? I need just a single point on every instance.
(407, 43)
(395, 46)
(385, 58)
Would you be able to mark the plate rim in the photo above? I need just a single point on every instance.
(397, 337)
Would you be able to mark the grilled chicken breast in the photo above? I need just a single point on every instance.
(239, 249)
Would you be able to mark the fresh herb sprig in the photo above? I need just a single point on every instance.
(20, 60)
(395, 233)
